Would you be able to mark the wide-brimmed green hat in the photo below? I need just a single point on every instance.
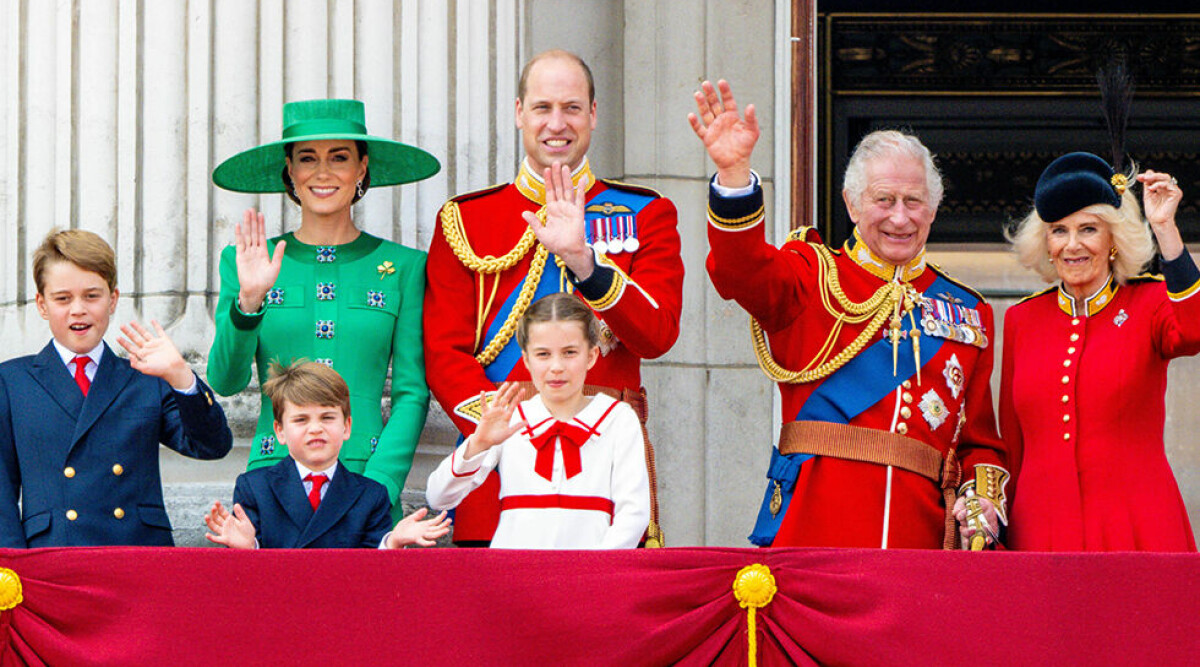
(260, 169)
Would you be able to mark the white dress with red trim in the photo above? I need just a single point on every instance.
(564, 485)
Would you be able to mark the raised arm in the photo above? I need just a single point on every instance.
(248, 269)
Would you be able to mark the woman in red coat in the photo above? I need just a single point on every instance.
(1085, 364)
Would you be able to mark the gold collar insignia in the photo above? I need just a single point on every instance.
(862, 255)
(1095, 303)
(532, 186)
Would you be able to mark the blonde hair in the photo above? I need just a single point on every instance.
(79, 247)
(305, 383)
(559, 307)
(1130, 233)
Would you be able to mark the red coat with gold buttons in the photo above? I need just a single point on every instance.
(1082, 411)
(836, 501)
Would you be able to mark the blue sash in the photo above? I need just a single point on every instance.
(502, 366)
(863, 382)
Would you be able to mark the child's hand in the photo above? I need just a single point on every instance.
(155, 354)
(233, 530)
(412, 530)
(494, 421)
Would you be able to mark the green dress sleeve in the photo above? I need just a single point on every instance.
(392, 460)
(236, 340)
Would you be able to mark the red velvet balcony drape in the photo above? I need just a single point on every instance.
(127, 606)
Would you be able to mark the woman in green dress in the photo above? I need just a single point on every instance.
(327, 291)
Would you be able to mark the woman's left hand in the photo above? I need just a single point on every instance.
(1160, 198)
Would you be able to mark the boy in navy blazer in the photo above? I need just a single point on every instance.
(307, 500)
(80, 427)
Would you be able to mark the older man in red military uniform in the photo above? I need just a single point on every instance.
(497, 250)
(883, 362)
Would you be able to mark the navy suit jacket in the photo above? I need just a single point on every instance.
(87, 468)
(355, 512)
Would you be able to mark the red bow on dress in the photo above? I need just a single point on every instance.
(572, 437)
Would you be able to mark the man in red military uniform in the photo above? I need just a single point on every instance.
(497, 250)
(883, 362)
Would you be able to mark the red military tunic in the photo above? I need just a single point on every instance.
(836, 501)
(637, 293)
(1082, 410)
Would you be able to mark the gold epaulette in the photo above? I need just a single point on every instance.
(943, 273)
(1146, 278)
(804, 233)
(639, 189)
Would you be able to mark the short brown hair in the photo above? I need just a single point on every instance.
(560, 307)
(523, 84)
(79, 247)
(305, 383)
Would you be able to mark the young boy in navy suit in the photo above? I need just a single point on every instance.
(307, 500)
(80, 427)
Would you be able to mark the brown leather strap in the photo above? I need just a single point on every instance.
(637, 401)
(868, 445)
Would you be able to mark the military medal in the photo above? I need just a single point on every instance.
(616, 243)
(952, 321)
(631, 241)
(598, 241)
(953, 373)
(933, 409)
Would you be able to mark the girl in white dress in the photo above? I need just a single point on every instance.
(572, 467)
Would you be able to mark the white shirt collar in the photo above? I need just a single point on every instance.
(68, 357)
(305, 472)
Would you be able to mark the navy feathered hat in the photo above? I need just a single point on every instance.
(1073, 182)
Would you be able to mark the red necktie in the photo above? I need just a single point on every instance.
(314, 496)
(81, 377)
(572, 437)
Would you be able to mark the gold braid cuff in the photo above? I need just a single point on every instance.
(989, 483)
(877, 309)
(736, 223)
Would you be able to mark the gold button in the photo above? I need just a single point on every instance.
(1066, 418)
(906, 384)
(117, 469)
(1066, 363)
(902, 428)
(72, 515)
(1066, 379)
(68, 472)
(905, 412)
(1066, 399)
(1070, 350)
(1074, 337)
(1075, 321)
(1066, 436)
(907, 397)
(119, 513)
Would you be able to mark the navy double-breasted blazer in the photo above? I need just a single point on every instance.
(355, 511)
(86, 469)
